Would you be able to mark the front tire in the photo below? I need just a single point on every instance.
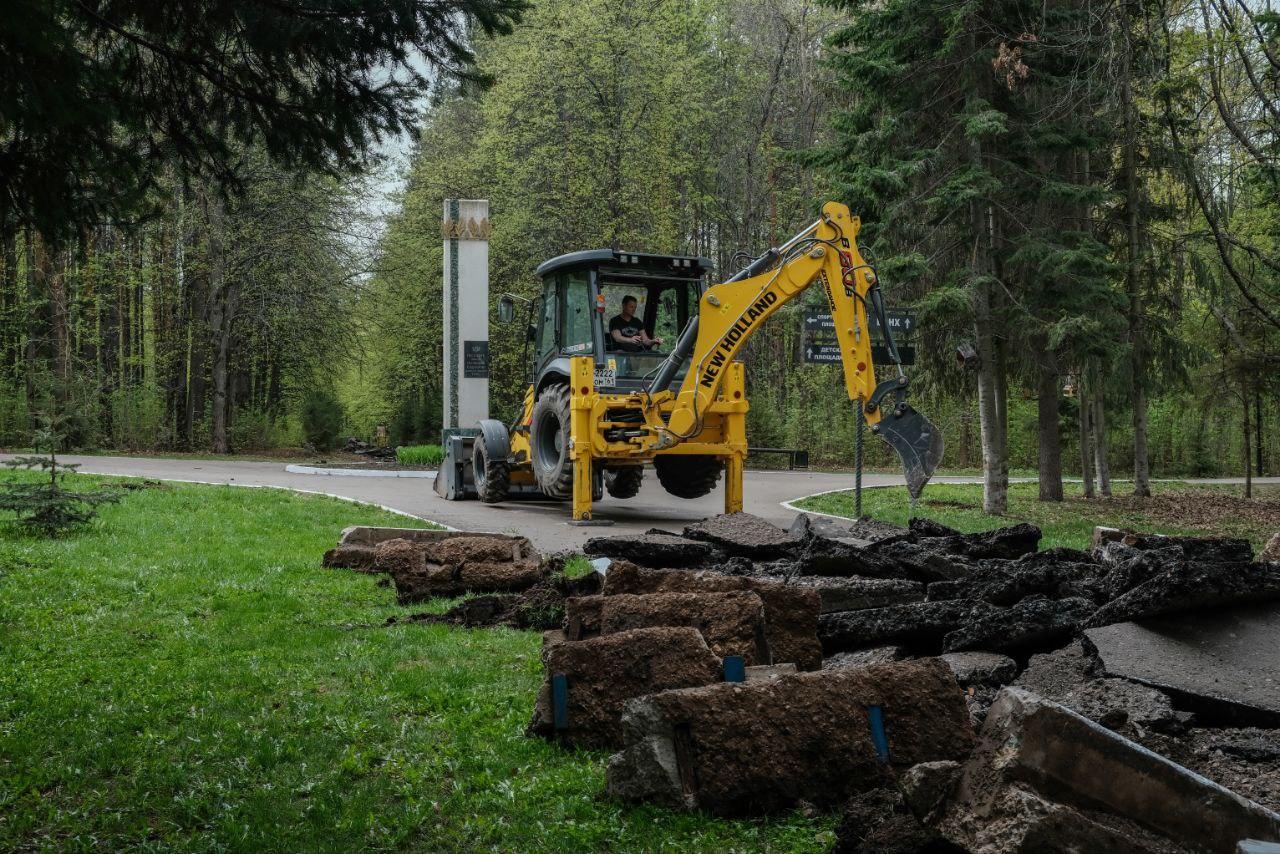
(688, 475)
(623, 482)
(552, 468)
(492, 477)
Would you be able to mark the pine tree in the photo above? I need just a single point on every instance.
(917, 155)
(46, 507)
(962, 150)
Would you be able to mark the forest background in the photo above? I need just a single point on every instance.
(1085, 193)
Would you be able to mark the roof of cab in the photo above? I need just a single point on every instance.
(589, 257)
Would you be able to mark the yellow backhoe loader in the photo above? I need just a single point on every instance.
(608, 396)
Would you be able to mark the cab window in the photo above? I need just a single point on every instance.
(672, 313)
(578, 314)
(547, 321)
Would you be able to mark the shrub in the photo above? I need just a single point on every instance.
(15, 424)
(46, 506)
(321, 419)
(419, 455)
(137, 418)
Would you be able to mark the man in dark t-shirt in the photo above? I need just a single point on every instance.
(626, 331)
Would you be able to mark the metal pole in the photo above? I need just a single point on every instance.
(857, 459)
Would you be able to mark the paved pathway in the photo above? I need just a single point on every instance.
(542, 521)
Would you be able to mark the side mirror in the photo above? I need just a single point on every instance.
(531, 333)
(506, 309)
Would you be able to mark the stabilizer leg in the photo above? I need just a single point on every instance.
(733, 484)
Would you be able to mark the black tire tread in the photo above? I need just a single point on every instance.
(559, 483)
(688, 475)
(497, 476)
(624, 482)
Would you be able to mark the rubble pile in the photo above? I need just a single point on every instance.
(1102, 685)
(943, 691)
(516, 586)
(358, 446)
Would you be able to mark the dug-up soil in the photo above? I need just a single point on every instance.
(1207, 509)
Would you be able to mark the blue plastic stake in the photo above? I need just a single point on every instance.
(735, 669)
(879, 740)
(560, 700)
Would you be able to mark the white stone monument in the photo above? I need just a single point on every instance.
(466, 314)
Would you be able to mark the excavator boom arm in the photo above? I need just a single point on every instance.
(731, 312)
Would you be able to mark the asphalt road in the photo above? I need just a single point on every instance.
(542, 521)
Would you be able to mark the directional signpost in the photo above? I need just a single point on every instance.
(820, 347)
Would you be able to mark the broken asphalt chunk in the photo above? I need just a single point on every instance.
(1193, 587)
(921, 625)
(746, 535)
(652, 550)
(1008, 543)
(1030, 624)
(1222, 664)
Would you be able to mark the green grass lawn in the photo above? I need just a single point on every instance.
(1175, 508)
(185, 675)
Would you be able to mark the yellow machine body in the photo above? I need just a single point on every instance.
(706, 415)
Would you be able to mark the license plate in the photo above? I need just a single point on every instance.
(606, 377)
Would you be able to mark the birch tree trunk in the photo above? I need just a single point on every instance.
(1133, 282)
(1103, 467)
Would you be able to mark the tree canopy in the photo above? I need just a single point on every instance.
(97, 96)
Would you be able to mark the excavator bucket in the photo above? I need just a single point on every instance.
(917, 442)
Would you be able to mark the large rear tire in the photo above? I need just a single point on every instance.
(549, 438)
(492, 477)
(688, 475)
(623, 482)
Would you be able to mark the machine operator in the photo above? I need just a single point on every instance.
(627, 331)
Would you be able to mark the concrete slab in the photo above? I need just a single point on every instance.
(1039, 763)
(1223, 663)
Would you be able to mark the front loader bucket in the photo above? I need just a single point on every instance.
(453, 480)
(917, 442)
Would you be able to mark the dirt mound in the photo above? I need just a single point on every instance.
(762, 747)
(603, 673)
(791, 612)
(746, 535)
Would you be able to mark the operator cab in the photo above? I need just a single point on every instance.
(589, 296)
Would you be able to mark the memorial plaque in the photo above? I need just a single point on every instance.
(475, 360)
